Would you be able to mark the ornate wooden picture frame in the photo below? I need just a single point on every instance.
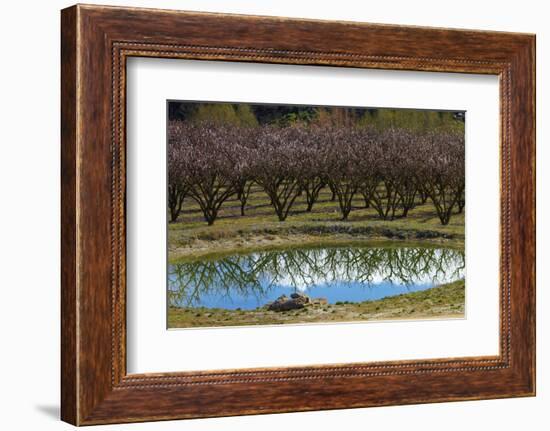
(96, 41)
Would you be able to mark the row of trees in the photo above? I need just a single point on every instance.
(391, 169)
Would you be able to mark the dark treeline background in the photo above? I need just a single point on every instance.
(251, 115)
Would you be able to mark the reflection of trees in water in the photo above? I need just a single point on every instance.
(255, 274)
(224, 277)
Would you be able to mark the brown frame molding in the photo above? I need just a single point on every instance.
(95, 43)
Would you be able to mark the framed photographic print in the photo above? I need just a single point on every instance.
(267, 215)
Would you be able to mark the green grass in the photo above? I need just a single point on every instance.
(260, 228)
(445, 301)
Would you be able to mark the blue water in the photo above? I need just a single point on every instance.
(338, 274)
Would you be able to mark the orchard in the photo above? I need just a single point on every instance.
(393, 169)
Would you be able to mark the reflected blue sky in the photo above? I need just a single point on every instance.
(353, 274)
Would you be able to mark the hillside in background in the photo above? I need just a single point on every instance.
(252, 115)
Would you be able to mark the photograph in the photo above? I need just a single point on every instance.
(307, 214)
(301, 214)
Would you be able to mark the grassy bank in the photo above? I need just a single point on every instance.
(439, 302)
(190, 236)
